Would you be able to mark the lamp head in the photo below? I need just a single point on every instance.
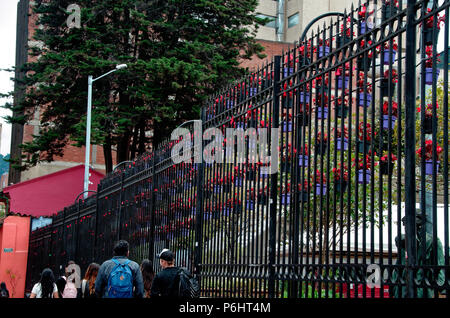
(121, 66)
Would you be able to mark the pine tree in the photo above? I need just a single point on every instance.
(177, 51)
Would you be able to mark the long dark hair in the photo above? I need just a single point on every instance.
(147, 274)
(91, 275)
(47, 283)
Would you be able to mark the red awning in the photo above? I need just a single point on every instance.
(46, 195)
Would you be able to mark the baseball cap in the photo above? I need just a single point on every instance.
(167, 255)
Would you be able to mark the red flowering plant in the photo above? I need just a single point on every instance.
(363, 13)
(320, 138)
(429, 53)
(428, 110)
(393, 75)
(304, 187)
(320, 178)
(364, 162)
(337, 173)
(368, 135)
(302, 50)
(347, 25)
(362, 45)
(427, 152)
(343, 71)
(321, 100)
(251, 194)
(430, 21)
(362, 85)
(341, 100)
(394, 109)
(394, 3)
(385, 158)
(342, 133)
(387, 46)
(286, 86)
(285, 188)
(321, 81)
(304, 150)
(286, 153)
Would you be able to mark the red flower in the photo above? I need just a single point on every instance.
(393, 75)
(321, 100)
(428, 151)
(319, 138)
(429, 53)
(364, 162)
(363, 14)
(320, 178)
(341, 133)
(430, 21)
(428, 110)
(394, 108)
(362, 86)
(368, 135)
(386, 157)
(337, 173)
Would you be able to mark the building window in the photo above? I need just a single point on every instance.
(272, 23)
(293, 20)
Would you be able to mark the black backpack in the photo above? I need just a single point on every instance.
(188, 285)
(4, 293)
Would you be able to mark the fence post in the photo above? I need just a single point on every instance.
(119, 216)
(94, 249)
(151, 251)
(199, 212)
(77, 241)
(410, 144)
(274, 180)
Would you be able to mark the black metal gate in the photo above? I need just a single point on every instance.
(359, 205)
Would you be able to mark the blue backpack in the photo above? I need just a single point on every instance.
(120, 282)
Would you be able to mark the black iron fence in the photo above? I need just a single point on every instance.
(358, 206)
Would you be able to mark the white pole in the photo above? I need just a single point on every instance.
(88, 138)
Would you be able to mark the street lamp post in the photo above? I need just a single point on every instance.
(91, 80)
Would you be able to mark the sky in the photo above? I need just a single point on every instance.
(8, 15)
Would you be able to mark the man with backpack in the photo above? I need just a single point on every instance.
(172, 281)
(119, 277)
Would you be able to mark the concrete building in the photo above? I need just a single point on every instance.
(290, 17)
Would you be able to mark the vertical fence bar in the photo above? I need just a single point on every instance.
(274, 182)
(410, 144)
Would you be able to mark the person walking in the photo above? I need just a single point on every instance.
(165, 283)
(61, 284)
(119, 277)
(88, 282)
(46, 287)
(147, 275)
(4, 293)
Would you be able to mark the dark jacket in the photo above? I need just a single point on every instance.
(165, 283)
(105, 270)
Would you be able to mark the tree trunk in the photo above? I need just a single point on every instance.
(123, 147)
(107, 153)
(134, 143)
(142, 138)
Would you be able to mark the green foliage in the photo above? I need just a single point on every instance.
(178, 52)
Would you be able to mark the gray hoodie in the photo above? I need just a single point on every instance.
(105, 270)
